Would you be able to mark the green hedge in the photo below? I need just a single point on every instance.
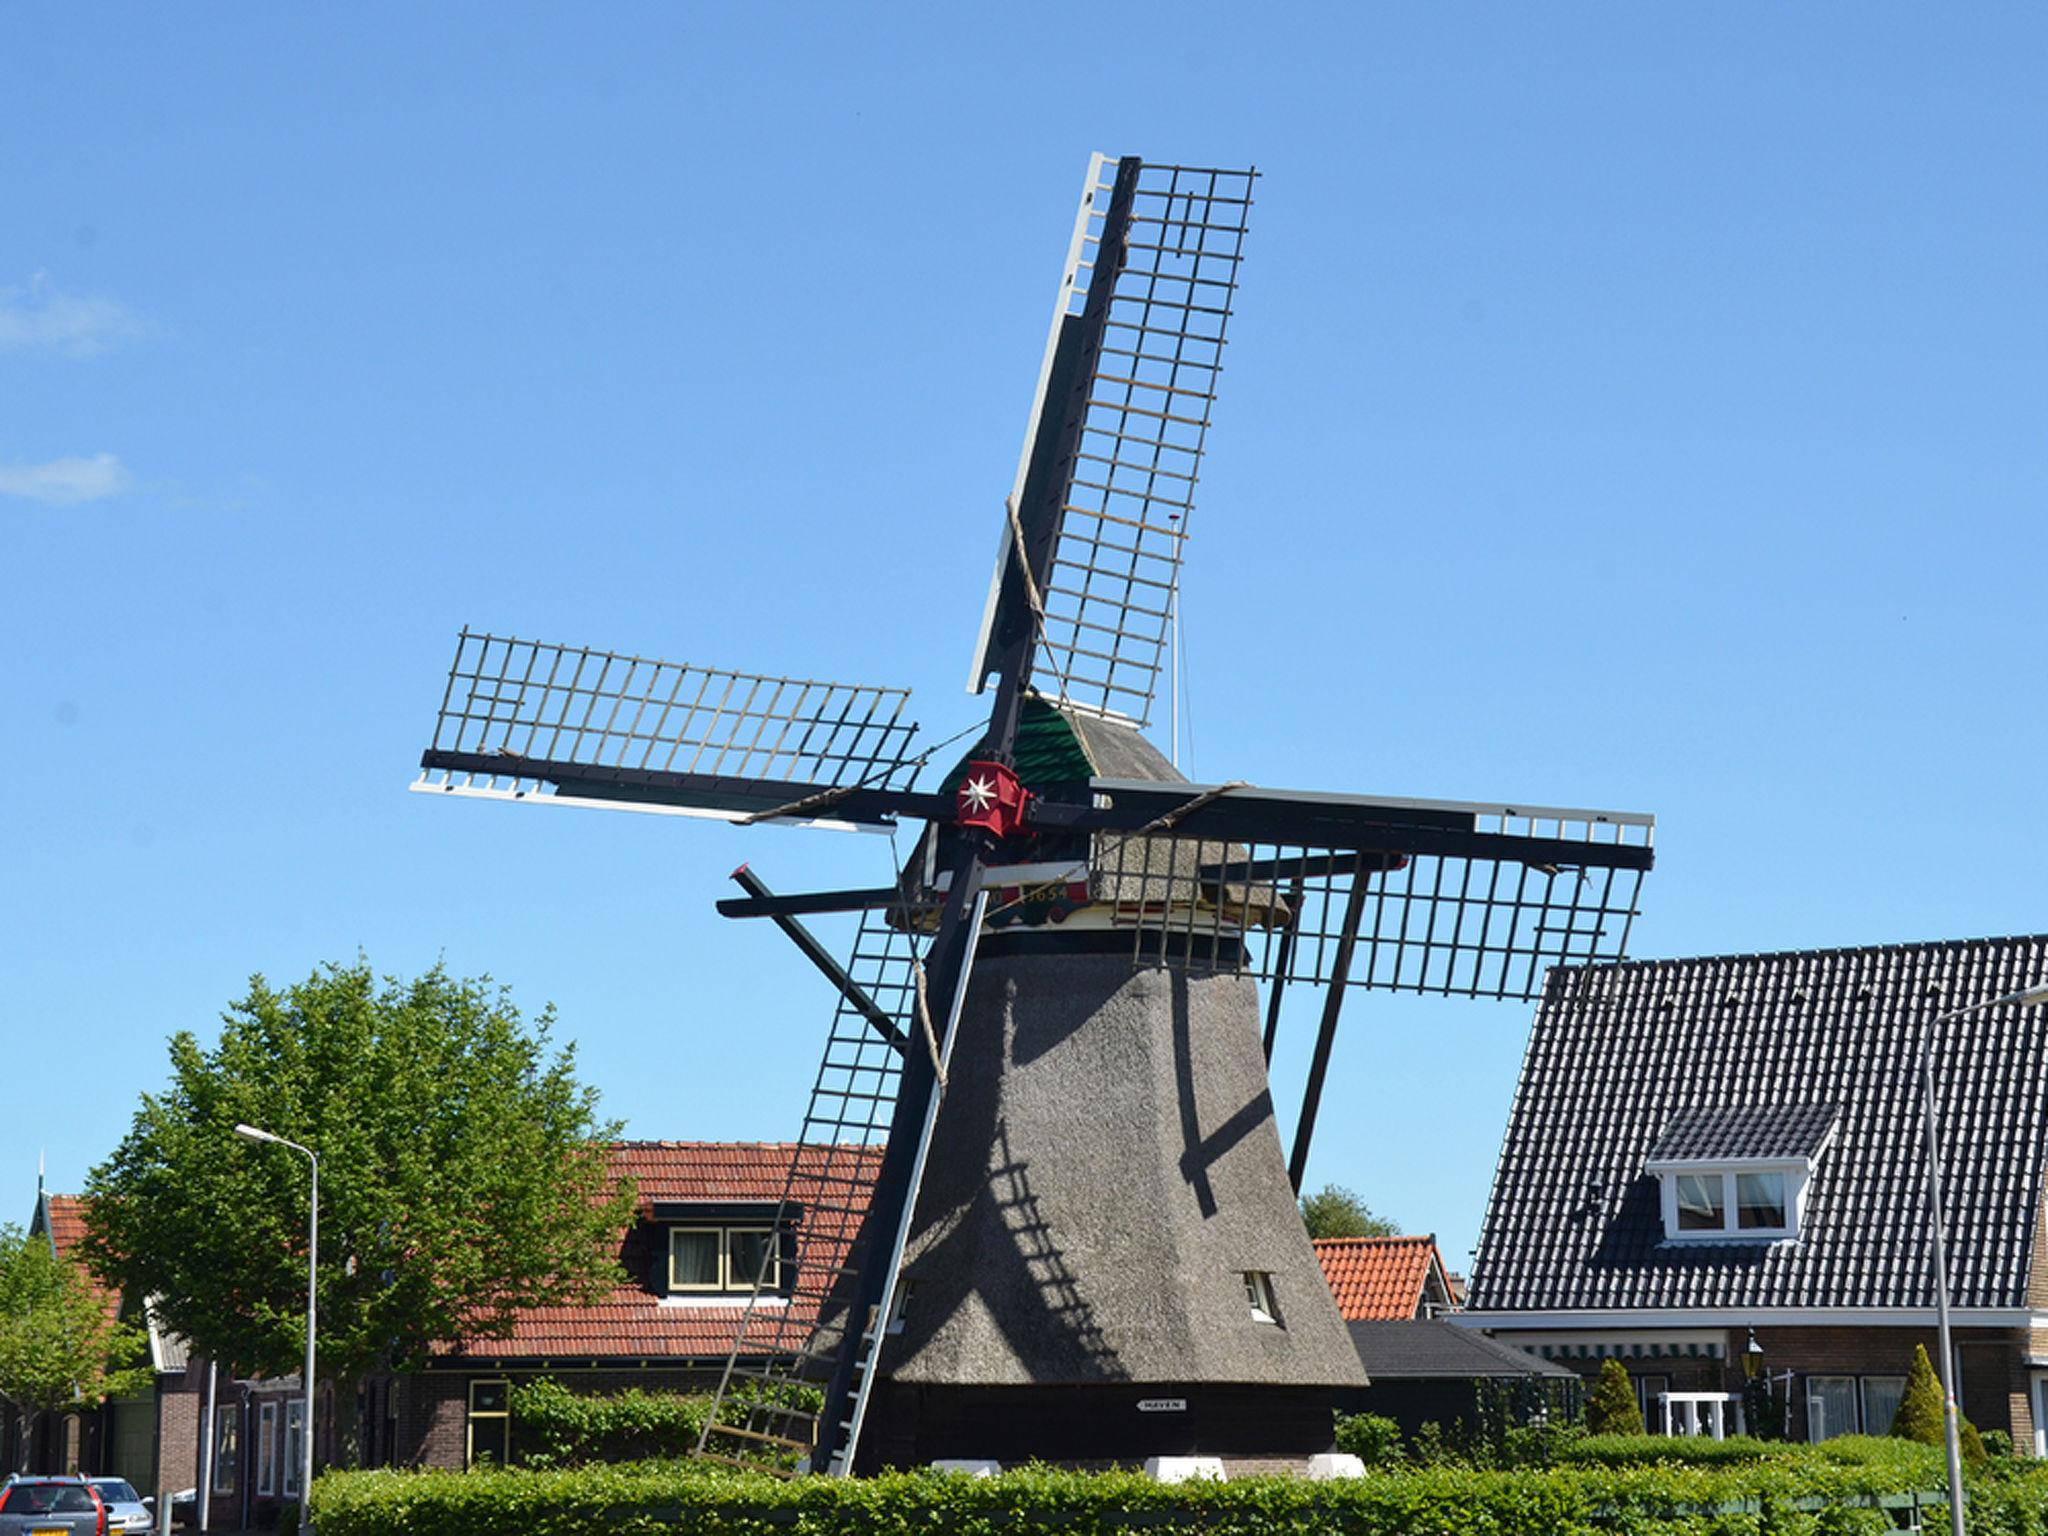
(1784, 1496)
(555, 1427)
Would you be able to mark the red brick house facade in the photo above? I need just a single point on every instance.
(687, 1264)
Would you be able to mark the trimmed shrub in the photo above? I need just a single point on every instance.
(1770, 1498)
(1373, 1438)
(1611, 1407)
(555, 1427)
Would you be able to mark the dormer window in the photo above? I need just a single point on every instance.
(1738, 1174)
(722, 1259)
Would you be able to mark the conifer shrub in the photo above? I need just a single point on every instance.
(1611, 1406)
(1920, 1413)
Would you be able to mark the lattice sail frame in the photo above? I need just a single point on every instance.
(764, 1414)
(527, 700)
(1448, 924)
(1109, 595)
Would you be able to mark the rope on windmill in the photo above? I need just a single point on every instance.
(924, 1019)
(1032, 596)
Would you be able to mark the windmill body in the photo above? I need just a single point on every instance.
(1107, 1262)
(1045, 1205)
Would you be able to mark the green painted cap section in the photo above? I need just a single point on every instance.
(1048, 750)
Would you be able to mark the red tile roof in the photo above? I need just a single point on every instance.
(65, 1218)
(632, 1322)
(1378, 1278)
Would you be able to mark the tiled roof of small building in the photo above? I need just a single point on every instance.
(634, 1321)
(1427, 1350)
(1377, 1278)
(1726, 1133)
(1619, 1054)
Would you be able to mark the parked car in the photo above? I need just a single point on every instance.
(127, 1510)
(51, 1506)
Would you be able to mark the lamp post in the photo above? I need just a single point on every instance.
(251, 1133)
(1951, 1414)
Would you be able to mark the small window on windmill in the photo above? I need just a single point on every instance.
(1258, 1290)
(901, 1305)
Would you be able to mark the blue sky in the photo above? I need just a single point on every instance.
(1630, 406)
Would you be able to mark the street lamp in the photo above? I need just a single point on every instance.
(251, 1133)
(1950, 1413)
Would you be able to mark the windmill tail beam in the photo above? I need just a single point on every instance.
(1326, 1036)
(807, 944)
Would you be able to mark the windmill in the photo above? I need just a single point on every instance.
(1044, 1206)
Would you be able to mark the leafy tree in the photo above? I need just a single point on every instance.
(462, 1174)
(1921, 1408)
(1334, 1211)
(1611, 1407)
(60, 1345)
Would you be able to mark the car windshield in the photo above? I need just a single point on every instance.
(116, 1491)
(51, 1499)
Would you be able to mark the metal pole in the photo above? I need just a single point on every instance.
(312, 1294)
(1951, 1412)
(207, 1435)
(1950, 1433)
(254, 1133)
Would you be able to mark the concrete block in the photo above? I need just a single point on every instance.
(1185, 1469)
(1334, 1464)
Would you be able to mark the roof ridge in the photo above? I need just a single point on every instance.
(1897, 947)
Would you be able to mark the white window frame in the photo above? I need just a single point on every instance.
(1258, 1292)
(227, 1447)
(294, 1455)
(1855, 1409)
(1797, 1174)
(728, 1281)
(1863, 1400)
(266, 1450)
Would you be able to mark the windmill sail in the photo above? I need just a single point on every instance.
(1483, 913)
(766, 1411)
(1099, 510)
(525, 720)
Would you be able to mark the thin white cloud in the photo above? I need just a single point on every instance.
(66, 482)
(43, 317)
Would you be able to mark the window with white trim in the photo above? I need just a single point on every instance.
(294, 1445)
(1830, 1406)
(266, 1450)
(227, 1444)
(1881, 1396)
(1758, 1202)
(709, 1260)
(1258, 1290)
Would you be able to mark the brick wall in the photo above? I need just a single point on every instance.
(177, 1432)
(1995, 1377)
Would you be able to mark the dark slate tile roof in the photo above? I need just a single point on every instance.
(1727, 1131)
(1390, 1350)
(1617, 1051)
